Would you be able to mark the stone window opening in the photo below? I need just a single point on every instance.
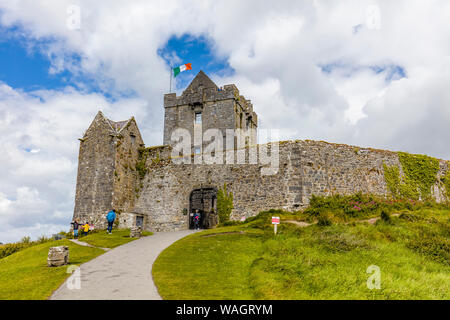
(198, 118)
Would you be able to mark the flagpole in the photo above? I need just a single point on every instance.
(170, 88)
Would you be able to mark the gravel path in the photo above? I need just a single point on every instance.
(121, 273)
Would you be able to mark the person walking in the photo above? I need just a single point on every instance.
(111, 216)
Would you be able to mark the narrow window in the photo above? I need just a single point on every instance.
(196, 150)
(198, 117)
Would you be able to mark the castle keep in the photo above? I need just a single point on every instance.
(149, 187)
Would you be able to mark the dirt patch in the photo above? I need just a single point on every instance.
(299, 223)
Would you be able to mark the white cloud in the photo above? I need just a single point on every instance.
(37, 188)
(276, 50)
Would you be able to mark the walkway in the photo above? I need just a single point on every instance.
(121, 273)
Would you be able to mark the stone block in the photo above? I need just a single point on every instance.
(58, 256)
(135, 232)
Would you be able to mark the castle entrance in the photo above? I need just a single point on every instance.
(205, 201)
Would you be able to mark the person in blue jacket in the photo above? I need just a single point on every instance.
(111, 216)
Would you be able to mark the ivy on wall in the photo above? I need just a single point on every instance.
(419, 175)
(141, 163)
(446, 181)
(224, 204)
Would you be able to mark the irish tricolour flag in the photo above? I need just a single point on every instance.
(182, 68)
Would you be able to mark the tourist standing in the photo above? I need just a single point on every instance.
(86, 228)
(196, 220)
(75, 225)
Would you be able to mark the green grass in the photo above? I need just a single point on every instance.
(104, 240)
(25, 276)
(316, 262)
(222, 261)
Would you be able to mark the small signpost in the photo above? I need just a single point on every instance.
(275, 222)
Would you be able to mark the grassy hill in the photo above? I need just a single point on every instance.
(328, 259)
(24, 275)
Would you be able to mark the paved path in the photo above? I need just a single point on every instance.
(85, 244)
(121, 273)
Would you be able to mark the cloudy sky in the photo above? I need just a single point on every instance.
(367, 73)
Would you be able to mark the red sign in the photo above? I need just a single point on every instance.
(275, 220)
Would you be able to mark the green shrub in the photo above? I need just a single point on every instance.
(25, 240)
(323, 220)
(436, 247)
(359, 206)
(224, 204)
(141, 164)
(385, 216)
(10, 248)
(446, 182)
(409, 217)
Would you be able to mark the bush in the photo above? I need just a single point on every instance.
(385, 216)
(10, 248)
(323, 220)
(224, 204)
(435, 247)
(363, 205)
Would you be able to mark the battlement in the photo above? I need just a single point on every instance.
(203, 105)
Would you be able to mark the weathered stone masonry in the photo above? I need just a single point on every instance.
(306, 168)
(106, 174)
(110, 151)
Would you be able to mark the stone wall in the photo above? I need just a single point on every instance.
(126, 178)
(107, 176)
(94, 189)
(221, 108)
(306, 168)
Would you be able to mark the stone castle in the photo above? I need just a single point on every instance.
(150, 187)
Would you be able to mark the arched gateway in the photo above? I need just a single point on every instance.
(205, 201)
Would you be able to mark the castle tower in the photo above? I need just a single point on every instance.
(202, 106)
(107, 177)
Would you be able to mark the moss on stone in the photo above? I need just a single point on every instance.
(141, 167)
(446, 182)
(419, 175)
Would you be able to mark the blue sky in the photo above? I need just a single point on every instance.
(26, 69)
(195, 50)
(29, 69)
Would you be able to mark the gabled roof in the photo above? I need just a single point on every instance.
(118, 125)
(200, 80)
